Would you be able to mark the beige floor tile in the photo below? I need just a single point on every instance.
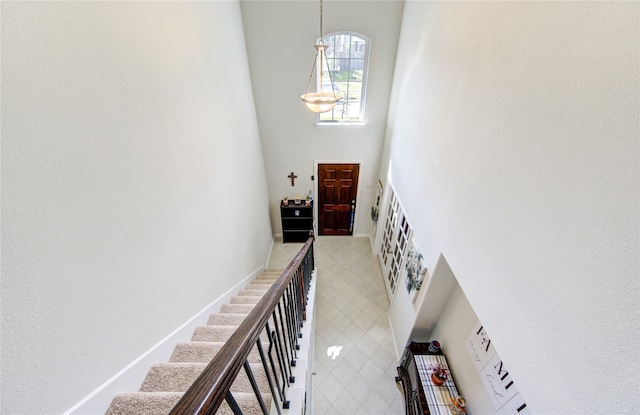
(360, 389)
(320, 404)
(351, 316)
(345, 403)
(375, 404)
(397, 408)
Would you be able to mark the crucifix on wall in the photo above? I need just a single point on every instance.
(292, 177)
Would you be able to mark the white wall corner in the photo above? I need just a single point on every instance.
(131, 377)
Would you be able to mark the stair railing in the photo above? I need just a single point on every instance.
(275, 321)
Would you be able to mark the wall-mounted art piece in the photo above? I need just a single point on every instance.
(416, 270)
(494, 375)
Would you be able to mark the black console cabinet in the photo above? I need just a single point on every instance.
(297, 221)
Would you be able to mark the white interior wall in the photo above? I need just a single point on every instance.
(522, 125)
(280, 38)
(129, 139)
(453, 327)
(441, 312)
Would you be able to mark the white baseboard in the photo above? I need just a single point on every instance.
(131, 377)
(266, 265)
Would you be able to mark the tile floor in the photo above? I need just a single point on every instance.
(354, 355)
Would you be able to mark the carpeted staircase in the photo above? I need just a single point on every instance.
(165, 383)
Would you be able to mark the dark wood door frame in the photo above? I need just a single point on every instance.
(335, 193)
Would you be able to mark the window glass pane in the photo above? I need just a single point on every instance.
(347, 67)
(354, 91)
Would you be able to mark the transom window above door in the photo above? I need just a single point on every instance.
(348, 58)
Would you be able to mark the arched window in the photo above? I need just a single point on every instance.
(348, 59)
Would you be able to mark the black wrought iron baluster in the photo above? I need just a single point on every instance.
(308, 268)
(279, 367)
(297, 310)
(297, 315)
(233, 404)
(283, 368)
(282, 318)
(254, 386)
(284, 325)
(304, 293)
(281, 348)
(299, 305)
(271, 376)
(291, 326)
(277, 374)
(311, 256)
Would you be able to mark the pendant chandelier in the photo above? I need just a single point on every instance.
(324, 100)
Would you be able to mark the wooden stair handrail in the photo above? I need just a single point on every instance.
(210, 388)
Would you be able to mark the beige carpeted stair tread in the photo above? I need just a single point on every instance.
(258, 286)
(201, 352)
(263, 281)
(237, 308)
(165, 383)
(247, 402)
(252, 293)
(267, 277)
(262, 285)
(245, 300)
(171, 377)
(204, 352)
(161, 403)
(179, 376)
(212, 333)
(149, 403)
(242, 384)
(226, 319)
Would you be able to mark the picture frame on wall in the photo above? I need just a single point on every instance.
(415, 270)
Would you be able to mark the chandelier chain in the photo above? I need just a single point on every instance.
(320, 101)
(320, 20)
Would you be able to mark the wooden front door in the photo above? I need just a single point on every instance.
(337, 187)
